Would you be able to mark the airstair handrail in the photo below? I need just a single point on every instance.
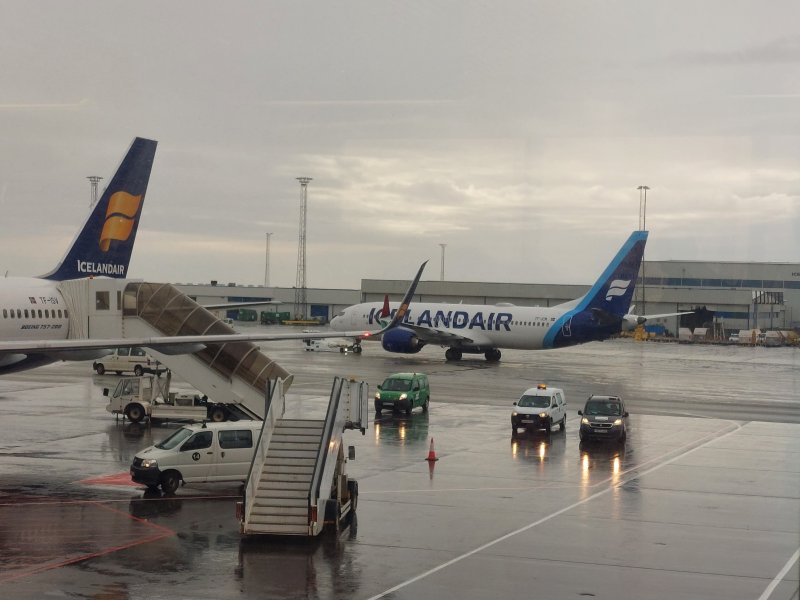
(276, 404)
(333, 424)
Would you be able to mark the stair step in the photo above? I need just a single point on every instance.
(282, 530)
(283, 485)
(289, 469)
(280, 511)
(265, 519)
(290, 461)
(280, 453)
(316, 423)
(265, 493)
(285, 477)
(297, 433)
(301, 503)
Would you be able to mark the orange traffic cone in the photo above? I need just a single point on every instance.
(431, 453)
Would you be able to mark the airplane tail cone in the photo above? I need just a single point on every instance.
(431, 453)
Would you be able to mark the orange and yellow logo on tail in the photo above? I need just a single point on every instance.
(120, 218)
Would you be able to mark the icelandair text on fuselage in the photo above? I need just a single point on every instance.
(457, 319)
(100, 268)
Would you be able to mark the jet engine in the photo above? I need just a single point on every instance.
(402, 341)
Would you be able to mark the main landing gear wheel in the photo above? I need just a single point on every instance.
(452, 354)
(492, 355)
(357, 348)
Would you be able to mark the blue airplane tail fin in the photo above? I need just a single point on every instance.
(104, 244)
(613, 291)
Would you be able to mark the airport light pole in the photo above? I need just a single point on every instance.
(93, 180)
(300, 284)
(266, 268)
(441, 276)
(642, 227)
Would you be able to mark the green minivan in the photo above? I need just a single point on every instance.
(403, 391)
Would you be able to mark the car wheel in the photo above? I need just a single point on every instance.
(138, 371)
(549, 427)
(99, 368)
(170, 480)
(134, 412)
(426, 405)
(378, 408)
(563, 425)
(408, 408)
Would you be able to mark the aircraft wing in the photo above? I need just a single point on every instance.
(166, 344)
(235, 305)
(188, 344)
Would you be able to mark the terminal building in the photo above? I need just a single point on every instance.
(734, 295)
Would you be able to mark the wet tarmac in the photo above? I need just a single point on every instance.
(703, 501)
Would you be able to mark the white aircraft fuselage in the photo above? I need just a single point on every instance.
(476, 328)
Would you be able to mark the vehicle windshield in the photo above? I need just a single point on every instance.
(603, 407)
(176, 439)
(534, 402)
(396, 385)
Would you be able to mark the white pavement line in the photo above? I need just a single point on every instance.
(779, 577)
(551, 516)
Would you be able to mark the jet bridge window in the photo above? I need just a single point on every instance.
(102, 301)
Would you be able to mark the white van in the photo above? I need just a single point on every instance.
(128, 360)
(198, 453)
(541, 407)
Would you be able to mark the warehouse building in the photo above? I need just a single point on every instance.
(735, 295)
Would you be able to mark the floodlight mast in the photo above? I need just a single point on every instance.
(300, 303)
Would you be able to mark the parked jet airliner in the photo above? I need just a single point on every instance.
(32, 309)
(484, 329)
(34, 315)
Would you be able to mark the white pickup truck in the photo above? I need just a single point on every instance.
(149, 396)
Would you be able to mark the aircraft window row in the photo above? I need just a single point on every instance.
(33, 313)
(530, 323)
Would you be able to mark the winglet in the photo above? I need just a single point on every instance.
(385, 311)
(403, 309)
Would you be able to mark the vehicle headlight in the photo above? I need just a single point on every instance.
(584, 421)
(377, 395)
(542, 415)
(618, 422)
(514, 413)
(149, 463)
(403, 396)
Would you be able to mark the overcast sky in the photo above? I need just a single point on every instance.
(514, 132)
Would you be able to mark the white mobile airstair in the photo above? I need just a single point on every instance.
(297, 481)
(232, 373)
